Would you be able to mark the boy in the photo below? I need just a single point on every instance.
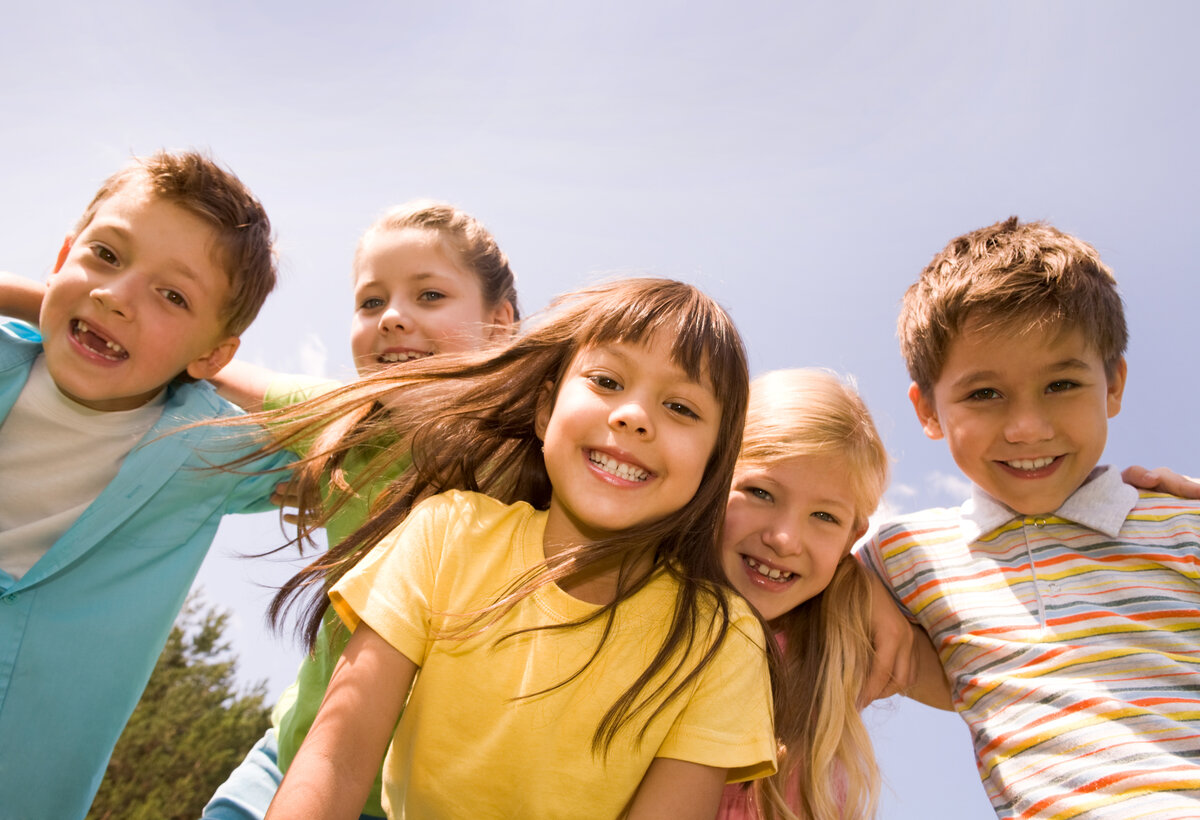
(1065, 605)
(106, 512)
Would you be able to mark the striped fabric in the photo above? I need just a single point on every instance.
(1072, 643)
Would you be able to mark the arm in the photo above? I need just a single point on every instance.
(244, 384)
(21, 298)
(679, 790)
(336, 765)
(929, 684)
(1163, 481)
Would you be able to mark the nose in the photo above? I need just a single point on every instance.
(631, 416)
(1027, 423)
(782, 536)
(394, 317)
(114, 297)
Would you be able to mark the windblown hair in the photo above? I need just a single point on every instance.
(471, 242)
(468, 421)
(196, 183)
(1011, 274)
(828, 767)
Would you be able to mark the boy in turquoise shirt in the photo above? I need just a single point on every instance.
(108, 507)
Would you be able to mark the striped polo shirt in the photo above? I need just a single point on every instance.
(1071, 642)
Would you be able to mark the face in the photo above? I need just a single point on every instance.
(1025, 414)
(626, 440)
(135, 300)
(413, 298)
(787, 525)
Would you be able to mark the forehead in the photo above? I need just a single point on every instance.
(995, 343)
(407, 250)
(652, 353)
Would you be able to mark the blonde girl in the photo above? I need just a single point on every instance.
(811, 470)
(428, 279)
(577, 649)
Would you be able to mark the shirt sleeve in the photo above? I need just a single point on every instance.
(390, 590)
(729, 719)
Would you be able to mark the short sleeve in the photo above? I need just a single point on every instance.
(391, 589)
(869, 555)
(728, 722)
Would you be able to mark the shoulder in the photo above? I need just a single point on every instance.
(19, 344)
(286, 390)
(471, 515)
(935, 522)
(1160, 508)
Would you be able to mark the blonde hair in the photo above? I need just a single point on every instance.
(826, 652)
(1012, 273)
(469, 422)
(474, 245)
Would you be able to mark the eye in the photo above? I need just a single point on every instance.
(104, 254)
(681, 409)
(174, 297)
(983, 394)
(371, 303)
(605, 382)
(759, 493)
(824, 516)
(1061, 385)
(431, 296)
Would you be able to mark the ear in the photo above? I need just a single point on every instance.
(208, 365)
(1116, 387)
(500, 321)
(63, 251)
(926, 412)
(544, 409)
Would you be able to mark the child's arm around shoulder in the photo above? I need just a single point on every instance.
(679, 790)
(336, 765)
(1162, 480)
(21, 298)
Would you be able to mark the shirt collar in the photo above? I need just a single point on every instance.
(1102, 504)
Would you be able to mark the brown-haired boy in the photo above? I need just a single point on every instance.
(1065, 605)
(108, 508)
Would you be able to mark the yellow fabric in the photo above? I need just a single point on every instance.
(466, 746)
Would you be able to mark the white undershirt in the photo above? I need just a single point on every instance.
(55, 457)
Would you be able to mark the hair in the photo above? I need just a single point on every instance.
(468, 420)
(827, 761)
(474, 245)
(200, 186)
(1018, 274)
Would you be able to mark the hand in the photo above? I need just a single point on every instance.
(286, 495)
(893, 668)
(1162, 480)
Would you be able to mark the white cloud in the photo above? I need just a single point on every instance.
(313, 356)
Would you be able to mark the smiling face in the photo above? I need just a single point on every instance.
(1025, 413)
(135, 300)
(626, 440)
(787, 525)
(414, 298)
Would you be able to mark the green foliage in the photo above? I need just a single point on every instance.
(190, 729)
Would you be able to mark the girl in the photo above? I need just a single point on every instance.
(577, 651)
(811, 471)
(428, 278)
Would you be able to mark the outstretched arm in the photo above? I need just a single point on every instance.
(336, 765)
(244, 384)
(21, 298)
(1162, 480)
(679, 790)
(904, 661)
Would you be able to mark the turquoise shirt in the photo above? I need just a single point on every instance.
(81, 630)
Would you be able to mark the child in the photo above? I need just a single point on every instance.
(577, 651)
(428, 278)
(105, 515)
(1064, 604)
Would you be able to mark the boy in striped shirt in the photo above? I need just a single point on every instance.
(1064, 604)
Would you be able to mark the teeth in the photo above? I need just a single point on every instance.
(618, 468)
(81, 327)
(1030, 463)
(393, 358)
(769, 572)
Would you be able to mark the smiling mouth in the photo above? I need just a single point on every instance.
(96, 343)
(768, 572)
(620, 469)
(1029, 465)
(396, 358)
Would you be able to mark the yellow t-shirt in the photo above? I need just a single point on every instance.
(467, 746)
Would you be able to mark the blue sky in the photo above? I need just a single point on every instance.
(799, 161)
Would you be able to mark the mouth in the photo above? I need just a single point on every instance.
(770, 573)
(93, 341)
(1030, 465)
(615, 467)
(399, 356)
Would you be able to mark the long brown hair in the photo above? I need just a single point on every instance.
(468, 423)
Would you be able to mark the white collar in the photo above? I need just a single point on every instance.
(1101, 504)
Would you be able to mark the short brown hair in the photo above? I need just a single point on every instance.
(1019, 273)
(196, 183)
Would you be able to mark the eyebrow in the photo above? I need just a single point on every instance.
(177, 265)
(1069, 364)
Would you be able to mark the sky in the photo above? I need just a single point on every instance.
(801, 162)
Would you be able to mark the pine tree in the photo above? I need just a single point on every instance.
(188, 731)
